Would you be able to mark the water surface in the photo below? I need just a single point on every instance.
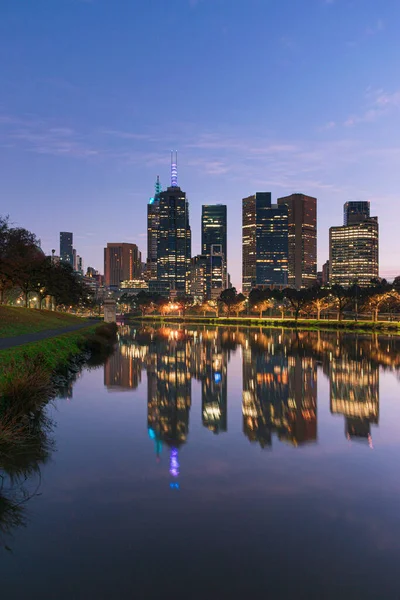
(213, 463)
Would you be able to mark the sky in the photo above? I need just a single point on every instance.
(255, 95)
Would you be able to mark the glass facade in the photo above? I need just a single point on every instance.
(213, 234)
(66, 249)
(302, 221)
(354, 253)
(174, 241)
(355, 212)
(265, 242)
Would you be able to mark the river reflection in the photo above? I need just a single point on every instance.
(207, 462)
(280, 376)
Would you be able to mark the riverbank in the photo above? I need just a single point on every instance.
(19, 321)
(30, 374)
(323, 324)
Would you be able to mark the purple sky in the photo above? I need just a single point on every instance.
(256, 95)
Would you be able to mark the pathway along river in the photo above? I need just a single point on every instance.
(207, 463)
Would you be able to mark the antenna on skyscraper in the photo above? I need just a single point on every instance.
(174, 168)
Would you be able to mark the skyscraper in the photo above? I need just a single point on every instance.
(354, 248)
(66, 249)
(302, 221)
(198, 277)
(121, 262)
(153, 222)
(174, 237)
(355, 212)
(214, 235)
(265, 242)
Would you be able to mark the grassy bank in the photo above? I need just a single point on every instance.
(17, 321)
(362, 326)
(27, 376)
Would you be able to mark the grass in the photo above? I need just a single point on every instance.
(17, 321)
(355, 326)
(26, 376)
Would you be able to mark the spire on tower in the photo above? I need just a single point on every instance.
(158, 186)
(174, 168)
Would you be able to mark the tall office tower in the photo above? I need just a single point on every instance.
(302, 219)
(153, 222)
(213, 233)
(121, 262)
(66, 249)
(74, 259)
(174, 237)
(354, 249)
(198, 278)
(355, 212)
(265, 242)
(79, 263)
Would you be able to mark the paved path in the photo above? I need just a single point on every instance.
(26, 338)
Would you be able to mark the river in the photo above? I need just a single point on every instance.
(212, 463)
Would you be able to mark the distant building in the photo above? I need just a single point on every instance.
(173, 238)
(325, 273)
(79, 264)
(198, 277)
(354, 248)
(213, 234)
(153, 222)
(265, 242)
(216, 272)
(121, 262)
(302, 222)
(134, 286)
(66, 249)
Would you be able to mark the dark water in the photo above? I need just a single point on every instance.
(204, 463)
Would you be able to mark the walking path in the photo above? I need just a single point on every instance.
(20, 340)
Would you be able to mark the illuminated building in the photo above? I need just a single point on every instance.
(214, 244)
(153, 223)
(265, 242)
(135, 285)
(173, 238)
(198, 278)
(302, 224)
(216, 277)
(355, 212)
(66, 249)
(354, 248)
(121, 262)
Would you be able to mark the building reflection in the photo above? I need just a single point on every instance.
(123, 369)
(279, 389)
(279, 395)
(354, 393)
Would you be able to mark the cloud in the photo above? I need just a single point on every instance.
(378, 27)
(378, 104)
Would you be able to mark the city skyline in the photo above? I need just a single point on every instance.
(90, 140)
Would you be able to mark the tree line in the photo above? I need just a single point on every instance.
(312, 302)
(25, 270)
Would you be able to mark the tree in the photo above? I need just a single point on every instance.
(232, 301)
(184, 302)
(319, 300)
(340, 297)
(380, 293)
(261, 300)
(145, 302)
(297, 299)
